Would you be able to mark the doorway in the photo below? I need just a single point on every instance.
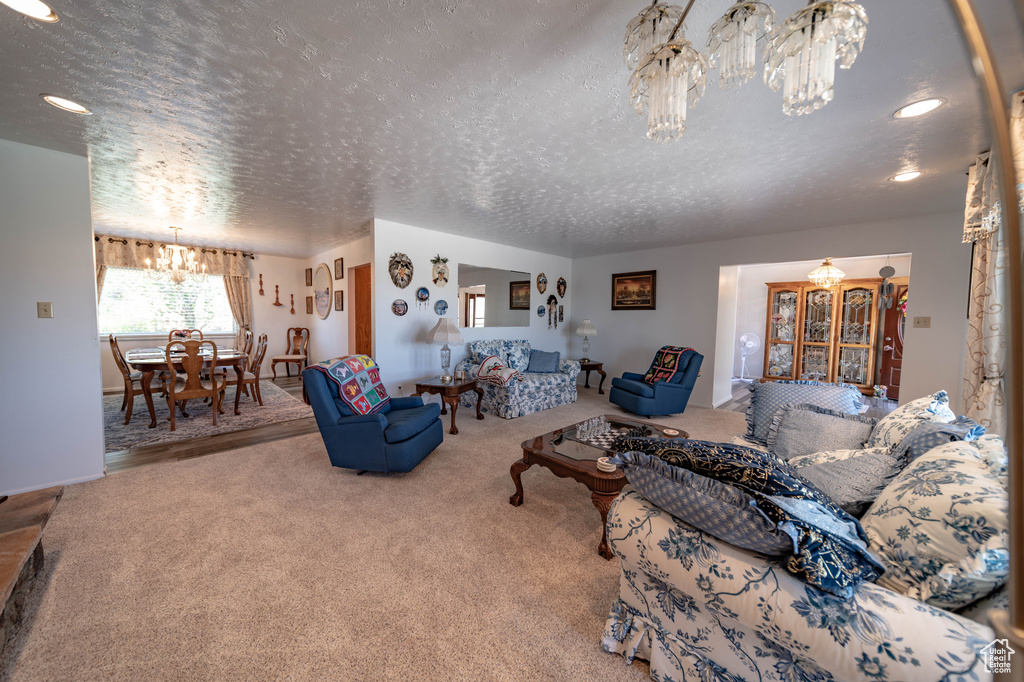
(361, 322)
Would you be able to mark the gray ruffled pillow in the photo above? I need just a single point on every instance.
(854, 483)
(805, 429)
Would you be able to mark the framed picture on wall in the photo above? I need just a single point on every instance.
(322, 290)
(635, 290)
(339, 269)
(309, 305)
(339, 300)
(309, 277)
(519, 295)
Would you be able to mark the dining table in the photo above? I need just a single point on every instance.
(149, 361)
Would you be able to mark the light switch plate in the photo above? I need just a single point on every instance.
(923, 322)
(44, 309)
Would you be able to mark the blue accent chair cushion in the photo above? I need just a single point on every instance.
(767, 398)
(543, 361)
(392, 441)
(632, 394)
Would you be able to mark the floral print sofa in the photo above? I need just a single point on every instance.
(533, 393)
(700, 608)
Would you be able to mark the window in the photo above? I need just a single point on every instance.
(132, 303)
(474, 310)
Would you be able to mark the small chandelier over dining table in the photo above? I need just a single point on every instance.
(669, 74)
(176, 263)
(826, 274)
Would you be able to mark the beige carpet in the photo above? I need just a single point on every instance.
(267, 563)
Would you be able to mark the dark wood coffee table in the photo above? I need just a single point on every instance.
(450, 395)
(566, 457)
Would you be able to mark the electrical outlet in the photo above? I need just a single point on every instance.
(44, 309)
(922, 322)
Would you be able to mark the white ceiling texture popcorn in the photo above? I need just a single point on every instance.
(287, 126)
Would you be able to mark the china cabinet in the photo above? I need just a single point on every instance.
(822, 333)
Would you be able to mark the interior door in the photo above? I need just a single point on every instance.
(362, 308)
(892, 343)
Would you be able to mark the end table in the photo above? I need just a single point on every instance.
(450, 395)
(592, 366)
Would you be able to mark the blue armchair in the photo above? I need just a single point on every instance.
(395, 439)
(633, 394)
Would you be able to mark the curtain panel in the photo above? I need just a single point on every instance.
(128, 252)
(237, 289)
(985, 362)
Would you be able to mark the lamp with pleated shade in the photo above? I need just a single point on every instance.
(443, 333)
(586, 329)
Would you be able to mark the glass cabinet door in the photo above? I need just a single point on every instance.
(856, 332)
(816, 340)
(780, 349)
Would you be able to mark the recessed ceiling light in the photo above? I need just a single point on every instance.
(906, 176)
(918, 108)
(65, 104)
(32, 8)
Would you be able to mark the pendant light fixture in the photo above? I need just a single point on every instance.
(826, 274)
(802, 53)
(176, 263)
(732, 41)
(647, 30)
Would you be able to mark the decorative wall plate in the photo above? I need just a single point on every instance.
(540, 311)
(439, 274)
(441, 307)
(423, 294)
(400, 269)
(561, 286)
(399, 307)
(542, 282)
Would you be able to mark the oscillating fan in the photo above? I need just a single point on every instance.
(747, 343)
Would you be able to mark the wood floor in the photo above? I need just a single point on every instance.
(206, 445)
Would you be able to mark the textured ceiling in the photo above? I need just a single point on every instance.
(286, 126)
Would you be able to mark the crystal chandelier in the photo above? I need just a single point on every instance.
(176, 263)
(732, 39)
(647, 30)
(826, 274)
(672, 76)
(802, 53)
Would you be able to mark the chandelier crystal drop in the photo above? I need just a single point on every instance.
(826, 274)
(670, 78)
(802, 53)
(652, 27)
(176, 263)
(732, 41)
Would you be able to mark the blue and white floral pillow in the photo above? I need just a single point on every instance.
(484, 349)
(517, 355)
(941, 528)
(900, 422)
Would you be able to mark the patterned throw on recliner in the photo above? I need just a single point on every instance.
(535, 391)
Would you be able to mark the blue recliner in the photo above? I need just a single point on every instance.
(633, 394)
(395, 439)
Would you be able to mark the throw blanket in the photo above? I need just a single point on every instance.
(668, 362)
(358, 382)
(493, 370)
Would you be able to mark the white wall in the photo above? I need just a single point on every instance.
(752, 294)
(290, 276)
(330, 338)
(401, 347)
(51, 415)
(688, 300)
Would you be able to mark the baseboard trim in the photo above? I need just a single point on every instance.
(83, 479)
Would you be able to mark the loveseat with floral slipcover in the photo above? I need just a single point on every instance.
(528, 392)
(700, 608)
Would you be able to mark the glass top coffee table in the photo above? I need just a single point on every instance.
(566, 456)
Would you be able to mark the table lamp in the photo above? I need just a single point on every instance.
(586, 330)
(443, 333)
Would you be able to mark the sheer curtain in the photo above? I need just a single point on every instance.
(985, 362)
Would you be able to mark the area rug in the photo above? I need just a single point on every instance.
(278, 406)
(267, 563)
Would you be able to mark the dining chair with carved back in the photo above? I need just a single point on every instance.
(298, 345)
(189, 383)
(130, 379)
(247, 350)
(252, 378)
(185, 334)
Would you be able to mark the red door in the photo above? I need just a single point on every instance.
(363, 321)
(892, 341)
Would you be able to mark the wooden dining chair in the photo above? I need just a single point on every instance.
(252, 378)
(130, 379)
(185, 334)
(298, 344)
(227, 371)
(189, 383)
